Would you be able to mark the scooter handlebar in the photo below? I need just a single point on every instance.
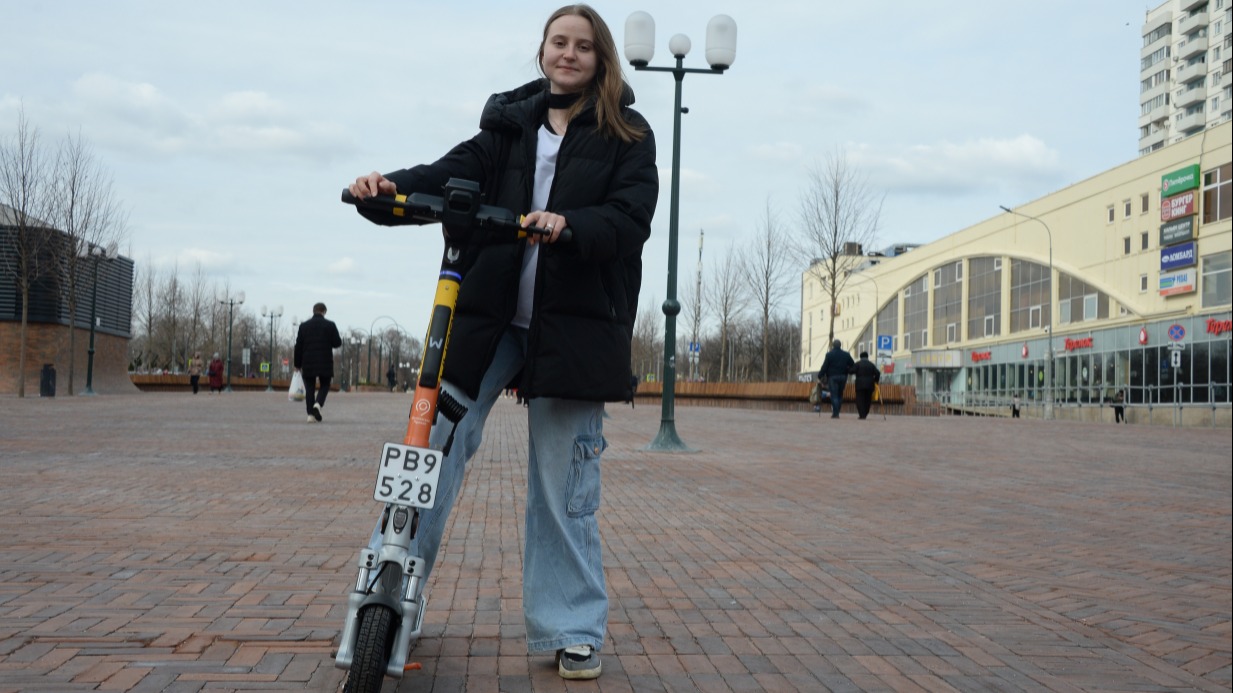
(430, 209)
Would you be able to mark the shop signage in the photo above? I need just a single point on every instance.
(1219, 327)
(888, 368)
(1073, 344)
(1178, 256)
(1180, 180)
(1179, 282)
(948, 358)
(1177, 206)
(978, 356)
(1142, 335)
(1177, 231)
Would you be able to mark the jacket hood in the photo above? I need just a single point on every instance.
(526, 104)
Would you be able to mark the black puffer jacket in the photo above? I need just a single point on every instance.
(586, 293)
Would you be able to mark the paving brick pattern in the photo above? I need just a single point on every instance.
(165, 542)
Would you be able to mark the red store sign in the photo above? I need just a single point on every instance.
(978, 356)
(1177, 206)
(1219, 326)
(1072, 344)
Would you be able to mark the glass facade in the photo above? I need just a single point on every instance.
(948, 303)
(1029, 296)
(984, 297)
(916, 315)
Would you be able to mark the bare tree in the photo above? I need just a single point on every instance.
(647, 348)
(694, 307)
(23, 189)
(839, 217)
(145, 310)
(728, 301)
(766, 272)
(85, 209)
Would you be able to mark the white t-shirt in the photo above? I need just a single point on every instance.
(546, 150)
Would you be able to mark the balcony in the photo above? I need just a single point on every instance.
(1189, 97)
(1187, 73)
(1191, 47)
(1188, 5)
(1191, 23)
(1191, 123)
(1154, 140)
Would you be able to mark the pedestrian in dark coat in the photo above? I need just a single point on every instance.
(834, 373)
(314, 358)
(867, 377)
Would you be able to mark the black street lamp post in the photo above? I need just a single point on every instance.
(1048, 412)
(271, 314)
(96, 254)
(720, 52)
(231, 302)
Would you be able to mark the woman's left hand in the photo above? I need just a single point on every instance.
(553, 223)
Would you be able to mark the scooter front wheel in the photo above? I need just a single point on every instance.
(373, 642)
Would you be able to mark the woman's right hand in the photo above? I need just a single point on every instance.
(374, 183)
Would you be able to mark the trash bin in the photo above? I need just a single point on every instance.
(47, 381)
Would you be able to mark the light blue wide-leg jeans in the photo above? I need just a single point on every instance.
(565, 599)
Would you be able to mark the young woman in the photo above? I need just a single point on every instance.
(556, 319)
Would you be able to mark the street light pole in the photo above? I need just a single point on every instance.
(374, 324)
(231, 302)
(271, 314)
(877, 304)
(720, 52)
(95, 253)
(1048, 328)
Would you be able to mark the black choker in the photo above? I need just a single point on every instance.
(563, 101)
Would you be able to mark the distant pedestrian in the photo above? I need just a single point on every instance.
(314, 358)
(867, 378)
(215, 373)
(391, 377)
(195, 367)
(1014, 406)
(834, 374)
(1119, 407)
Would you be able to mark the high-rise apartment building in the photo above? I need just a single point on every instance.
(1186, 68)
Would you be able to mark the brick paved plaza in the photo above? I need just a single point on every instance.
(166, 542)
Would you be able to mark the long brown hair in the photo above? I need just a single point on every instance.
(608, 85)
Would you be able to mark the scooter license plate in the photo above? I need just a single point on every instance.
(408, 475)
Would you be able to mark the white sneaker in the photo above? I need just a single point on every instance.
(580, 662)
(312, 419)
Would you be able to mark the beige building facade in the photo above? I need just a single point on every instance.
(1124, 277)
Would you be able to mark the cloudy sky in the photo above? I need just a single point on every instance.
(231, 127)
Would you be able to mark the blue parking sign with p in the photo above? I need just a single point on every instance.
(885, 341)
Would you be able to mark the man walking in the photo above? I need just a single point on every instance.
(314, 358)
(867, 377)
(834, 372)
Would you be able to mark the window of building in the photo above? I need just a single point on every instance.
(984, 296)
(1145, 203)
(947, 301)
(916, 309)
(1110, 214)
(1126, 245)
(1126, 206)
(1029, 295)
(1144, 240)
(1218, 193)
(888, 319)
(1079, 301)
(1217, 286)
(1142, 283)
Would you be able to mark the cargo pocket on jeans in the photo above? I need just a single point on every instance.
(584, 477)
